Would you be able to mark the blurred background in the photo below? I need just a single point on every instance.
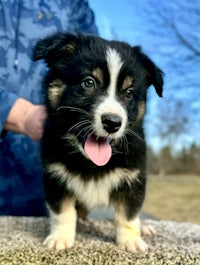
(169, 32)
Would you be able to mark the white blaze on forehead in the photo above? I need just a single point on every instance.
(109, 103)
(115, 63)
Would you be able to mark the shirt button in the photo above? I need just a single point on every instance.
(40, 15)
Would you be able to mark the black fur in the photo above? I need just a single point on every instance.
(71, 58)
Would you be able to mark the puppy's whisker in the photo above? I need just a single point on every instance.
(125, 144)
(87, 129)
(74, 109)
(131, 132)
(74, 152)
(115, 151)
(78, 125)
(88, 132)
(135, 123)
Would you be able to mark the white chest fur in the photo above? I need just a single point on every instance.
(92, 193)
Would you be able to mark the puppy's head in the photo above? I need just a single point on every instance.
(102, 84)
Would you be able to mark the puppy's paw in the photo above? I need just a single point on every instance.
(147, 230)
(129, 238)
(128, 234)
(135, 245)
(56, 242)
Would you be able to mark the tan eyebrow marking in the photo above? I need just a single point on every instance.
(141, 111)
(55, 91)
(71, 47)
(128, 81)
(98, 73)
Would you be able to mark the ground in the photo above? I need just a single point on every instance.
(175, 198)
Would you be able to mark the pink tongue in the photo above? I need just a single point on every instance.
(99, 152)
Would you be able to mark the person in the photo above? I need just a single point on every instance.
(22, 113)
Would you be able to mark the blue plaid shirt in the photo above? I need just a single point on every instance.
(22, 23)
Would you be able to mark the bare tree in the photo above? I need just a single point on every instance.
(172, 22)
(173, 123)
(170, 32)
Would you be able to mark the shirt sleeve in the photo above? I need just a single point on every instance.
(7, 99)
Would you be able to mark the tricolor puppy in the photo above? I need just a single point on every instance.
(93, 147)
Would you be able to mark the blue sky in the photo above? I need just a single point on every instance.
(126, 20)
(114, 14)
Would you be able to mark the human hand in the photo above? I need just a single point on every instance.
(26, 118)
(34, 122)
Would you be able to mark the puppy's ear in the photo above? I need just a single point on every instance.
(51, 48)
(154, 73)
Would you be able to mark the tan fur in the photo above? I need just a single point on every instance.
(56, 88)
(98, 73)
(141, 111)
(128, 82)
(128, 232)
(71, 47)
(63, 226)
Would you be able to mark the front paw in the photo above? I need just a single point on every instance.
(57, 242)
(128, 234)
(135, 245)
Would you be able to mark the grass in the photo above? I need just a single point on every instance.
(175, 198)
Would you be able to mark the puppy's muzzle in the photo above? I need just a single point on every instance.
(111, 122)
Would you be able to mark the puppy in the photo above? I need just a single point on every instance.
(93, 147)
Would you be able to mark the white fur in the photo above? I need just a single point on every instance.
(128, 233)
(92, 193)
(114, 63)
(63, 227)
(110, 104)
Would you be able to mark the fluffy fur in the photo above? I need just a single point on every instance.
(93, 147)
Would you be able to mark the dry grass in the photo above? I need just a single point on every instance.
(175, 198)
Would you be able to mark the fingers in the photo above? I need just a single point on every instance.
(34, 122)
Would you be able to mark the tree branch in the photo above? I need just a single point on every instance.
(185, 41)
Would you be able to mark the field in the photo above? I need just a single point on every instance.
(175, 198)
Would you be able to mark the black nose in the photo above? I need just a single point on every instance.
(111, 122)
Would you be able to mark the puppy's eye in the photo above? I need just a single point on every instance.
(129, 93)
(88, 83)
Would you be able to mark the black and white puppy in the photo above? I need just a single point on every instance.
(93, 147)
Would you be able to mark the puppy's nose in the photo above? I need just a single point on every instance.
(111, 122)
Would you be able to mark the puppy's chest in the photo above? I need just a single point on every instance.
(94, 192)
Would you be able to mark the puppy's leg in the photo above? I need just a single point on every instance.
(63, 226)
(128, 200)
(128, 233)
(82, 212)
(63, 216)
